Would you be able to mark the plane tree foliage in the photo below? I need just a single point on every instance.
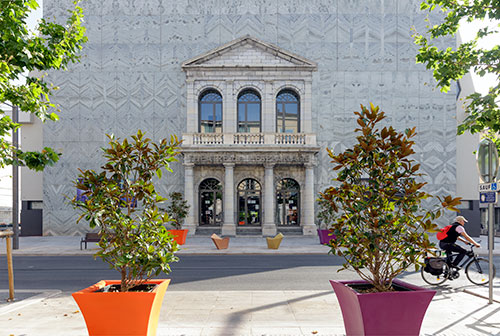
(25, 58)
(451, 64)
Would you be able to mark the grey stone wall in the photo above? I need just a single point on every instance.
(130, 78)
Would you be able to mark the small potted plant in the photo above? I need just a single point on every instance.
(121, 202)
(382, 228)
(325, 216)
(177, 211)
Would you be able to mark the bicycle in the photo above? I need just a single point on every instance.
(476, 269)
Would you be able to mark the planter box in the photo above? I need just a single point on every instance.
(179, 236)
(325, 236)
(388, 313)
(116, 313)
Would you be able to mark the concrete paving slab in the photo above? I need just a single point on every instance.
(450, 313)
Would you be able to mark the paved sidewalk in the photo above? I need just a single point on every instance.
(457, 308)
(70, 245)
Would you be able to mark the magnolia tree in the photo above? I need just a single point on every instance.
(177, 209)
(382, 227)
(122, 202)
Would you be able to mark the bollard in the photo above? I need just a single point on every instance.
(8, 236)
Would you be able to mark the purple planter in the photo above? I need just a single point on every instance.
(388, 313)
(325, 236)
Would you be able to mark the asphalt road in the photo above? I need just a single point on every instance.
(193, 272)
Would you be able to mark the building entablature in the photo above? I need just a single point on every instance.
(220, 156)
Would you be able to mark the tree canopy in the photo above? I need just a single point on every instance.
(24, 58)
(451, 64)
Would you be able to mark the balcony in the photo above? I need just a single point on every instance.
(248, 139)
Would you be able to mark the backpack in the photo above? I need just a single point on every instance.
(443, 234)
(434, 266)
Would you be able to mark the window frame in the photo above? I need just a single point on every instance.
(246, 122)
(214, 121)
(283, 119)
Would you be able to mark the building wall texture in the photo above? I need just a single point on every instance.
(130, 78)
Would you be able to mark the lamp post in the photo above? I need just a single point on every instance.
(15, 180)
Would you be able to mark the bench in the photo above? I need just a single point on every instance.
(220, 243)
(90, 237)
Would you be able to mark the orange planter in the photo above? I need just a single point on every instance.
(179, 235)
(117, 313)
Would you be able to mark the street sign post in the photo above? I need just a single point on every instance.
(488, 187)
(487, 164)
(488, 197)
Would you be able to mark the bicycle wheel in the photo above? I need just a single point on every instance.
(435, 279)
(478, 271)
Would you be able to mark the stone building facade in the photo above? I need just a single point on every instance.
(257, 90)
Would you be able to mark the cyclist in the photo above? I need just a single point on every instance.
(456, 232)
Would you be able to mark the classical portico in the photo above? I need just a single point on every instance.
(249, 151)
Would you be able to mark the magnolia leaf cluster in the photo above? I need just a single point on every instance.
(382, 226)
(122, 202)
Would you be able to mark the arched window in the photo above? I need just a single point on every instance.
(210, 202)
(210, 115)
(288, 203)
(287, 112)
(249, 112)
(249, 202)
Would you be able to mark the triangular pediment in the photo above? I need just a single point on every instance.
(249, 52)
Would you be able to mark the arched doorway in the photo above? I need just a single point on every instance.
(210, 202)
(249, 211)
(287, 203)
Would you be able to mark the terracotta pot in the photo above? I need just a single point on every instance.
(387, 313)
(325, 236)
(117, 313)
(179, 235)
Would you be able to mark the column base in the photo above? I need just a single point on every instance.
(309, 230)
(269, 230)
(228, 229)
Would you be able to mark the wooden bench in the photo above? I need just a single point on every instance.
(90, 237)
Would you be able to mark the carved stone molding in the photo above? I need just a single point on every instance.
(262, 158)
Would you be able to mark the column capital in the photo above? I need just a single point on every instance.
(228, 164)
(269, 165)
(188, 164)
(309, 165)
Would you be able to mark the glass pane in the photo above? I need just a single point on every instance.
(206, 118)
(218, 112)
(211, 96)
(279, 118)
(253, 208)
(291, 118)
(249, 97)
(241, 209)
(253, 112)
(241, 112)
(207, 208)
(242, 128)
(218, 208)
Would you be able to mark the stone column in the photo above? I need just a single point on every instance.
(189, 221)
(229, 225)
(269, 226)
(308, 225)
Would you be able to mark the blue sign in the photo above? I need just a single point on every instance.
(488, 197)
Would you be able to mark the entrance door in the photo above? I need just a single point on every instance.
(249, 211)
(287, 203)
(211, 202)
